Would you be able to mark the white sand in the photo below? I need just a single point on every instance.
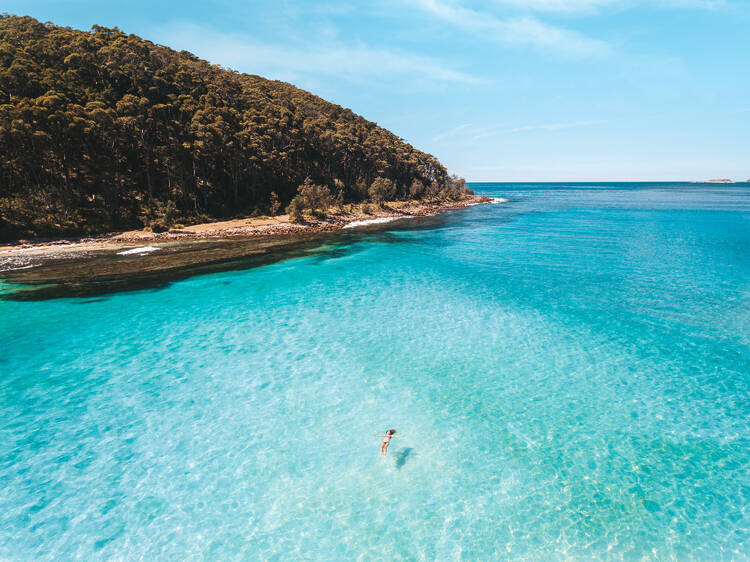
(354, 224)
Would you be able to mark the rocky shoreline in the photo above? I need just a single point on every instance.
(278, 226)
(37, 270)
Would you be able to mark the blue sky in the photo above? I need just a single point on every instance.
(505, 90)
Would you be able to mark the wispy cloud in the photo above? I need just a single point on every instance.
(470, 133)
(516, 30)
(559, 6)
(543, 127)
(329, 58)
(695, 4)
(584, 6)
(456, 131)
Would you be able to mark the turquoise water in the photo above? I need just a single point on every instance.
(571, 371)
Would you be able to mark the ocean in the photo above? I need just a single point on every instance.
(570, 371)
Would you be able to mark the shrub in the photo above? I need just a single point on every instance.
(274, 204)
(416, 190)
(433, 190)
(339, 189)
(381, 189)
(295, 210)
(455, 188)
(361, 189)
(160, 217)
(310, 197)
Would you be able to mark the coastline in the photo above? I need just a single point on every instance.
(93, 266)
(275, 227)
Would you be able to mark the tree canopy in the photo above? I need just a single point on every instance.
(101, 130)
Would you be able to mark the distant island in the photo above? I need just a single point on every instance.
(719, 181)
(102, 131)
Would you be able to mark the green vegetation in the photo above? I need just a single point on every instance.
(310, 197)
(382, 189)
(102, 131)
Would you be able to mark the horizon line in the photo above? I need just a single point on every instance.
(713, 182)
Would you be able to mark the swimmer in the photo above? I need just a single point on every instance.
(386, 440)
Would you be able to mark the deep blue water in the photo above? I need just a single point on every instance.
(570, 369)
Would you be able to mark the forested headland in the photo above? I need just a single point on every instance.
(103, 131)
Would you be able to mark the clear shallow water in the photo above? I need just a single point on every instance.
(571, 371)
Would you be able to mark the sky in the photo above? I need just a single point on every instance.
(498, 90)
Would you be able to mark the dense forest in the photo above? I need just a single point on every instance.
(103, 131)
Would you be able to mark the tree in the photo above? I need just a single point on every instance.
(382, 189)
(295, 209)
(455, 188)
(310, 197)
(98, 129)
(416, 190)
(433, 190)
(274, 204)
